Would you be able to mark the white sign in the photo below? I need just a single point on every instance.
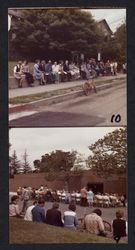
(99, 56)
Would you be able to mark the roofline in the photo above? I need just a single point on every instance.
(103, 20)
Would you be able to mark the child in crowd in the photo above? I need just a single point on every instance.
(119, 226)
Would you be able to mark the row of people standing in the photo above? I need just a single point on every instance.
(84, 197)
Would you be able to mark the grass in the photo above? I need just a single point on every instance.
(23, 232)
(39, 96)
(44, 95)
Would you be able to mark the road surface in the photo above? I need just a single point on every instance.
(108, 107)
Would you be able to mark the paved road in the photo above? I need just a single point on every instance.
(94, 110)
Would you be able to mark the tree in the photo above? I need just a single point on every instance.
(115, 47)
(80, 163)
(57, 165)
(37, 164)
(56, 34)
(109, 155)
(14, 163)
(121, 38)
(57, 161)
(25, 165)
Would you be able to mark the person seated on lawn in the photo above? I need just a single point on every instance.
(38, 212)
(70, 217)
(14, 210)
(18, 74)
(53, 216)
(26, 72)
(28, 214)
(93, 223)
(119, 226)
(37, 73)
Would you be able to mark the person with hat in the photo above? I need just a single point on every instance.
(53, 216)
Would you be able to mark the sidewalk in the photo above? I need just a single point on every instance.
(50, 87)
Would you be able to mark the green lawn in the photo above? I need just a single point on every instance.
(47, 94)
(22, 232)
(11, 65)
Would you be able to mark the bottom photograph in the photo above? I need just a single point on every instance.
(68, 185)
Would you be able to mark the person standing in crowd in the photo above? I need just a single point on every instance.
(83, 70)
(70, 218)
(83, 192)
(123, 200)
(53, 216)
(26, 72)
(93, 223)
(119, 226)
(67, 70)
(37, 73)
(124, 68)
(90, 196)
(115, 65)
(25, 197)
(18, 75)
(38, 212)
(108, 68)
(28, 214)
(14, 210)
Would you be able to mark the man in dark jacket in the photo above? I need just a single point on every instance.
(53, 216)
(38, 212)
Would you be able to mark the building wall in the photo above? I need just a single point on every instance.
(112, 185)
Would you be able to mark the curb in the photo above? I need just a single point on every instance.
(55, 99)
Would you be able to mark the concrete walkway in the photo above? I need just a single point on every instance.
(56, 86)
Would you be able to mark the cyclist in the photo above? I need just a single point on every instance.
(90, 84)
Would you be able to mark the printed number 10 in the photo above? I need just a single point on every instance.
(116, 118)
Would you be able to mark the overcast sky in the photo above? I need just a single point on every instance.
(38, 141)
(115, 17)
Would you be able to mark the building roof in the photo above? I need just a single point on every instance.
(106, 25)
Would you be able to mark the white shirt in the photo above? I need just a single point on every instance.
(28, 214)
(55, 68)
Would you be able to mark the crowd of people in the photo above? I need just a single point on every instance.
(48, 72)
(83, 197)
(91, 222)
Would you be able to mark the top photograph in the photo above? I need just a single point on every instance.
(67, 67)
